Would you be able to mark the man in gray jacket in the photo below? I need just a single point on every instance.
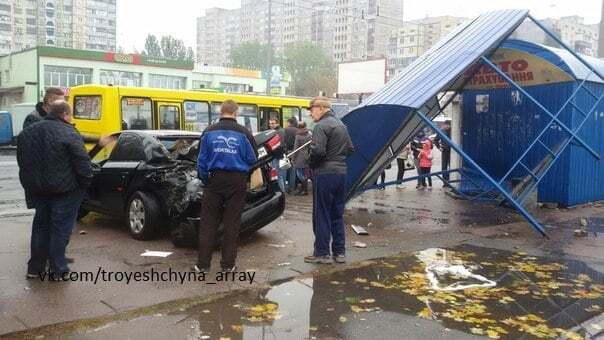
(330, 147)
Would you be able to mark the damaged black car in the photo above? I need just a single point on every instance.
(149, 178)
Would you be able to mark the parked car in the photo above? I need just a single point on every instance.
(149, 178)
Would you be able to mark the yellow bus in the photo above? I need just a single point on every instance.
(103, 109)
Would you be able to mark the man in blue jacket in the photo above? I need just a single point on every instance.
(227, 151)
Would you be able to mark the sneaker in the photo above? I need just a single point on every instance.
(198, 269)
(318, 259)
(32, 275)
(70, 259)
(229, 269)
(400, 186)
(429, 188)
(340, 258)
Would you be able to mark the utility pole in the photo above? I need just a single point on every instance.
(270, 48)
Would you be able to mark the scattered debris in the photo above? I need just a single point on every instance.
(459, 272)
(276, 245)
(369, 225)
(580, 233)
(583, 222)
(83, 232)
(153, 253)
(284, 264)
(360, 244)
(359, 230)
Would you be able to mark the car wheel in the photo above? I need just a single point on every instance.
(143, 216)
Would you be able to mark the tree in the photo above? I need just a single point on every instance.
(311, 69)
(168, 47)
(251, 55)
(152, 48)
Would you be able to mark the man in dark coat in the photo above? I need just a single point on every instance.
(290, 139)
(52, 94)
(445, 150)
(302, 158)
(55, 170)
(331, 145)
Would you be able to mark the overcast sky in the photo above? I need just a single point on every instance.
(137, 18)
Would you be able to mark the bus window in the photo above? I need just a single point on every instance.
(289, 112)
(310, 124)
(248, 117)
(268, 113)
(215, 112)
(197, 116)
(169, 117)
(136, 114)
(87, 107)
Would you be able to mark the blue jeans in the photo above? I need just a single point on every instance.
(280, 174)
(300, 175)
(329, 193)
(53, 223)
(291, 179)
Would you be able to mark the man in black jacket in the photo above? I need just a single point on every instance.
(331, 145)
(52, 94)
(290, 139)
(445, 150)
(55, 170)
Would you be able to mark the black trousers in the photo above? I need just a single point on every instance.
(223, 202)
(446, 159)
(401, 169)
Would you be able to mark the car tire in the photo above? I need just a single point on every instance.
(143, 216)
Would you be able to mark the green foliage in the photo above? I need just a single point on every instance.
(167, 47)
(311, 69)
(251, 56)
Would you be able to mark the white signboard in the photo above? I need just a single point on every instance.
(361, 77)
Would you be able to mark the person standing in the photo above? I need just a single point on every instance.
(445, 150)
(425, 163)
(51, 95)
(416, 148)
(401, 162)
(301, 158)
(273, 123)
(54, 168)
(227, 152)
(331, 145)
(290, 139)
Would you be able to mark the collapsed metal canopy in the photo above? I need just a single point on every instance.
(417, 87)
(389, 119)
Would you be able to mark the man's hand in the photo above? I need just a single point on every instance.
(104, 140)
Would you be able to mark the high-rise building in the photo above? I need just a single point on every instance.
(572, 30)
(345, 29)
(80, 24)
(217, 33)
(416, 37)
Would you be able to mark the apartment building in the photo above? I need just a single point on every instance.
(79, 24)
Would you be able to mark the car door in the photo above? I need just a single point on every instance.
(117, 172)
(99, 155)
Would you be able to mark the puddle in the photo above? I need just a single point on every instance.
(515, 295)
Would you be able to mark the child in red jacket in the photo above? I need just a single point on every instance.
(425, 163)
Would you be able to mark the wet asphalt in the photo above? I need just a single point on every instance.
(381, 292)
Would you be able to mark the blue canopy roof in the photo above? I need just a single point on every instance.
(385, 121)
